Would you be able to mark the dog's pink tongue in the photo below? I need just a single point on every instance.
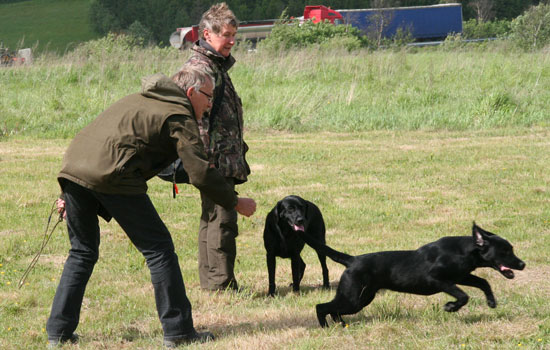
(298, 228)
(506, 271)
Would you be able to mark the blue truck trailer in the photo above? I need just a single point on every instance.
(424, 23)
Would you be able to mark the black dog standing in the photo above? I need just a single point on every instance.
(293, 214)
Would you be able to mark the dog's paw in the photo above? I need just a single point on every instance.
(452, 307)
(295, 287)
(492, 303)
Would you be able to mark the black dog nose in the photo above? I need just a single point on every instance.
(521, 265)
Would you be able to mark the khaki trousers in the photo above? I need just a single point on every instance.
(217, 246)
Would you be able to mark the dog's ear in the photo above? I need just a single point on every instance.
(480, 235)
(278, 211)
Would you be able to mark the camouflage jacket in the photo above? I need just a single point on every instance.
(222, 134)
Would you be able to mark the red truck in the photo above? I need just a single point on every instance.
(256, 30)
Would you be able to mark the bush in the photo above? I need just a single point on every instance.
(115, 47)
(290, 34)
(531, 31)
(472, 29)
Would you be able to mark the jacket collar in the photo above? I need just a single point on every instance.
(162, 88)
(204, 48)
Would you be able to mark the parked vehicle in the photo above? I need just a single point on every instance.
(7, 57)
(433, 22)
(257, 30)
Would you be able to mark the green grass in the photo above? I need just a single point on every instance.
(377, 190)
(396, 148)
(45, 25)
(302, 91)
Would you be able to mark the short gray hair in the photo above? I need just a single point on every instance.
(191, 77)
(216, 17)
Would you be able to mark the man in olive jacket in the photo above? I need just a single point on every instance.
(104, 173)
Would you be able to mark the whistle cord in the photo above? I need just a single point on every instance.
(45, 241)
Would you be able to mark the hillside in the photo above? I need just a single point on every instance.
(46, 25)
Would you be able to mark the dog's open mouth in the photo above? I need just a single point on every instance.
(298, 228)
(506, 271)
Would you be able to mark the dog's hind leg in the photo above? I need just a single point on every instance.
(323, 310)
(478, 282)
(334, 308)
(298, 267)
(344, 305)
(365, 298)
(323, 261)
(461, 298)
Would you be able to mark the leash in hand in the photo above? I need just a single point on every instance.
(45, 240)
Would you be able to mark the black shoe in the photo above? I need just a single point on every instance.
(194, 337)
(59, 342)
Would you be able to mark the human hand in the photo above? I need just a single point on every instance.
(61, 208)
(245, 206)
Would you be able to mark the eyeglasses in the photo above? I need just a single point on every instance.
(210, 97)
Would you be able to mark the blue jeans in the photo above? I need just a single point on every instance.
(139, 219)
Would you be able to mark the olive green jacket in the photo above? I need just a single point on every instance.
(137, 137)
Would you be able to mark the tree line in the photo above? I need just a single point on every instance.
(155, 20)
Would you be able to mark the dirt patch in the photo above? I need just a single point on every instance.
(534, 279)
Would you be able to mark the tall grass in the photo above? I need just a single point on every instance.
(304, 90)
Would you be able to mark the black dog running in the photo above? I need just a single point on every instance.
(433, 268)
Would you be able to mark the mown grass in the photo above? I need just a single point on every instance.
(45, 25)
(302, 91)
(377, 190)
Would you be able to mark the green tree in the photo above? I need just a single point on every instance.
(159, 17)
(531, 30)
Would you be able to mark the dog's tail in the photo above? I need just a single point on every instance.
(339, 257)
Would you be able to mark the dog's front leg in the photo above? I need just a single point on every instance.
(461, 298)
(271, 273)
(478, 282)
(298, 268)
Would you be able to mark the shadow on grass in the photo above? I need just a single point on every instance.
(285, 290)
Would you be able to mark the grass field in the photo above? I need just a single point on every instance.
(396, 148)
(377, 191)
(45, 25)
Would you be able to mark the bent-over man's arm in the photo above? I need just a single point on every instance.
(184, 133)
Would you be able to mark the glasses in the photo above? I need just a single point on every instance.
(210, 97)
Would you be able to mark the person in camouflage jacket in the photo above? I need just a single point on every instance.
(222, 135)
